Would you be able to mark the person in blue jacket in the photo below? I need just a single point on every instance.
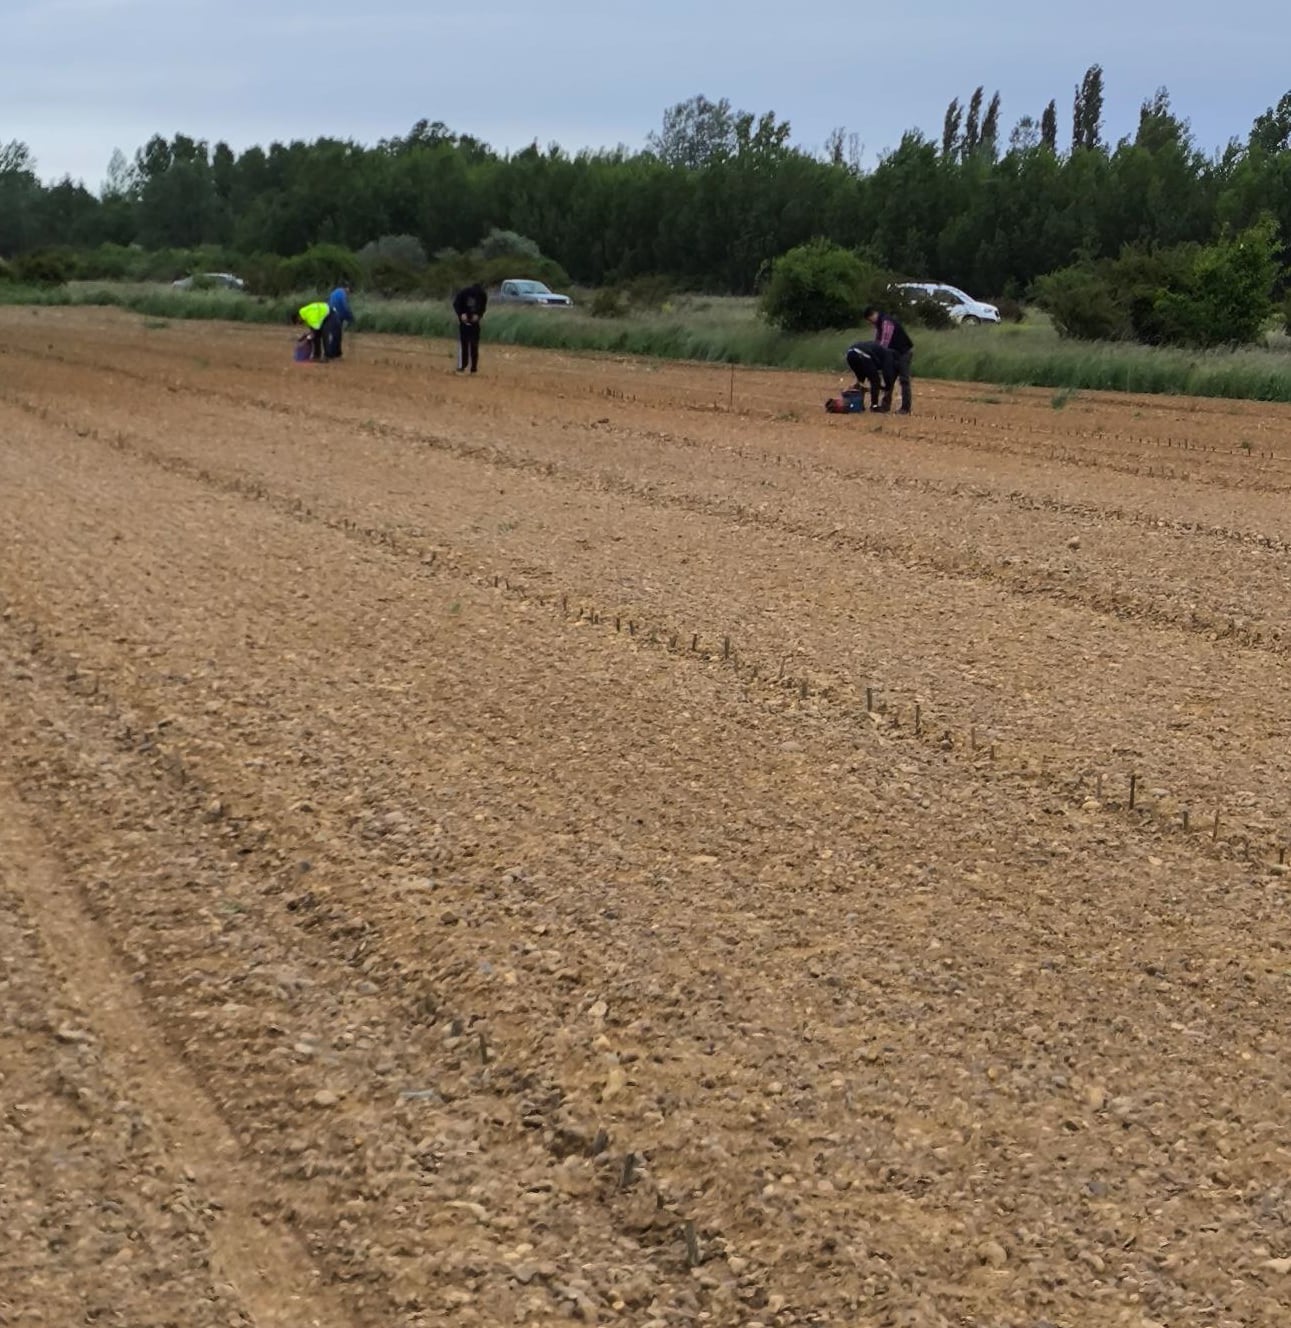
(339, 303)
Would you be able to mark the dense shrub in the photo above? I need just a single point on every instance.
(1229, 296)
(650, 292)
(1189, 295)
(1011, 310)
(110, 262)
(393, 265)
(1083, 305)
(266, 274)
(388, 276)
(507, 244)
(322, 266)
(405, 250)
(608, 302)
(496, 270)
(924, 312)
(816, 286)
(45, 267)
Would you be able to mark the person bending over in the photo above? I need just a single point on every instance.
(316, 319)
(873, 365)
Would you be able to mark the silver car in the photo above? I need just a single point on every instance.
(220, 280)
(518, 291)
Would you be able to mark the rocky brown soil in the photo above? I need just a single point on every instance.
(555, 847)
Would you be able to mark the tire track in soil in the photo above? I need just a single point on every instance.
(553, 1142)
(1105, 459)
(904, 711)
(271, 1275)
(1109, 512)
(1023, 583)
(915, 1175)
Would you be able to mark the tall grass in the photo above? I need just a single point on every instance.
(728, 331)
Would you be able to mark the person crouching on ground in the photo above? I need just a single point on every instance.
(889, 334)
(339, 303)
(316, 320)
(873, 364)
(469, 305)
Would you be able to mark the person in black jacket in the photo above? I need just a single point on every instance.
(875, 365)
(469, 305)
(889, 334)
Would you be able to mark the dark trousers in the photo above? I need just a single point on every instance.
(321, 338)
(903, 362)
(332, 329)
(866, 371)
(468, 346)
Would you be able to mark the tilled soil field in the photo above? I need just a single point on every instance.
(605, 841)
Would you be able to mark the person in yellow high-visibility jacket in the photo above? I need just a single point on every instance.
(317, 320)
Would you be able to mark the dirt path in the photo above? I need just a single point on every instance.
(119, 1173)
(494, 940)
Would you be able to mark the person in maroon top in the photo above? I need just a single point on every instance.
(889, 334)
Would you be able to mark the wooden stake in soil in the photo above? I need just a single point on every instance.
(918, 721)
(1214, 829)
(692, 1245)
(628, 1174)
(726, 647)
(1185, 820)
(869, 700)
(1134, 783)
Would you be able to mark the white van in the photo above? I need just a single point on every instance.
(962, 308)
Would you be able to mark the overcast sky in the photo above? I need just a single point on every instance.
(81, 77)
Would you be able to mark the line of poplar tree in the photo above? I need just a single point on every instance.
(713, 196)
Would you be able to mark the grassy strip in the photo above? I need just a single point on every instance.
(728, 332)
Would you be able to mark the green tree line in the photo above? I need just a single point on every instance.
(714, 196)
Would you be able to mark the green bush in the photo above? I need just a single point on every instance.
(405, 250)
(494, 271)
(390, 276)
(650, 292)
(814, 287)
(266, 274)
(1083, 304)
(926, 312)
(322, 266)
(1189, 295)
(1286, 312)
(45, 267)
(1228, 297)
(608, 302)
(507, 244)
(1011, 310)
(109, 262)
(6, 272)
